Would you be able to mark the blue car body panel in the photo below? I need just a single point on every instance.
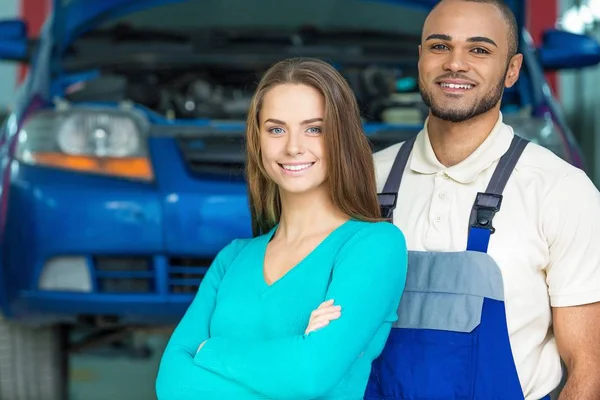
(174, 224)
(71, 18)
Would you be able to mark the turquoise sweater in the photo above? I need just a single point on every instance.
(256, 346)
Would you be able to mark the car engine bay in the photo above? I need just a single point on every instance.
(384, 94)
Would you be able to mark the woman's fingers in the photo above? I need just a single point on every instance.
(324, 319)
(322, 315)
(333, 313)
(318, 325)
(315, 327)
(323, 311)
(321, 318)
(325, 304)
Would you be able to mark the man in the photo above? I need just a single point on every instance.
(547, 233)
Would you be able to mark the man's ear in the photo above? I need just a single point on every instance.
(513, 70)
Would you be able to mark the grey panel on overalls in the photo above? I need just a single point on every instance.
(445, 290)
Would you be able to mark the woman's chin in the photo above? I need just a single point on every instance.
(300, 189)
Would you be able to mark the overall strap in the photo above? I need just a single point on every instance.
(487, 204)
(389, 196)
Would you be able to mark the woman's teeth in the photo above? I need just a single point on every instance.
(299, 167)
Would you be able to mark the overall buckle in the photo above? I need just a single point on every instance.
(387, 204)
(486, 206)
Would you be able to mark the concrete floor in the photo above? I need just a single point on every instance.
(100, 377)
(97, 376)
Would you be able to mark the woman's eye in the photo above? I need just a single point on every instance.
(276, 131)
(314, 130)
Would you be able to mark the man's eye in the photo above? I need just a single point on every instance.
(439, 47)
(479, 50)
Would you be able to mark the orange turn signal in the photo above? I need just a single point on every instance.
(130, 167)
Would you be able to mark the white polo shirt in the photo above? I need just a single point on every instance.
(547, 239)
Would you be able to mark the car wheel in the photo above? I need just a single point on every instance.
(33, 362)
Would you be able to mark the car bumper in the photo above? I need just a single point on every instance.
(41, 307)
(79, 245)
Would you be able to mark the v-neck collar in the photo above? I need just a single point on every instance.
(262, 284)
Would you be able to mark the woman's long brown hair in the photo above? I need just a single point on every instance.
(349, 160)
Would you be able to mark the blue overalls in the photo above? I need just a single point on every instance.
(451, 339)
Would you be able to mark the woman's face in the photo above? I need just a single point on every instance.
(291, 137)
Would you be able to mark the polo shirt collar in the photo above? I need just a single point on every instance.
(424, 161)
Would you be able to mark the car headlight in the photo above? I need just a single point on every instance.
(108, 142)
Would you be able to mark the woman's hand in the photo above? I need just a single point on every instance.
(199, 347)
(325, 313)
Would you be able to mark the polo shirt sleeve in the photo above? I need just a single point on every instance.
(570, 220)
(368, 281)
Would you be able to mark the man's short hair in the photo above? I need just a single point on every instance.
(509, 17)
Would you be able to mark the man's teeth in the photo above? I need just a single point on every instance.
(296, 167)
(456, 86)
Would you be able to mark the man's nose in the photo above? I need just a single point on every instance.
(456, 62)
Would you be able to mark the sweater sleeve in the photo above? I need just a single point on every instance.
(193, 328)
(368, 281)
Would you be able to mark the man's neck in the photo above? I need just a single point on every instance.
(453, 142)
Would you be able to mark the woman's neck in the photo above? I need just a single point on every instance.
(307, 214)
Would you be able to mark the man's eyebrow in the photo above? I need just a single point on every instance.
(474, 39)
(439, 36)
(484, 39)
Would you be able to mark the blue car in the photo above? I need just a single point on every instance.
(122, 160)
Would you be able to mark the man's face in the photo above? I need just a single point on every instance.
(463, 60)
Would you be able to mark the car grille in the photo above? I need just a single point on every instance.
(185, 274)
(124, 275)
(219, 155)
(222, 155)
(139, 275)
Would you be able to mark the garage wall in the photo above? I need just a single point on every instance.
(580, 99)
(8, 71)
(34, 13)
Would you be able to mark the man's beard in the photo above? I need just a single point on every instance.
(447, 113)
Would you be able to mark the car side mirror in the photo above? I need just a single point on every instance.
(566, 50)
(14, 44)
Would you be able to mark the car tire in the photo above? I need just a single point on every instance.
(33, 362)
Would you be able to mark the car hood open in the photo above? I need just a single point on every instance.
(72, 18)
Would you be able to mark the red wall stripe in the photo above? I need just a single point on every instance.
(34, 13)
(542, 15)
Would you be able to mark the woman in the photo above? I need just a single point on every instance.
(319, 242)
